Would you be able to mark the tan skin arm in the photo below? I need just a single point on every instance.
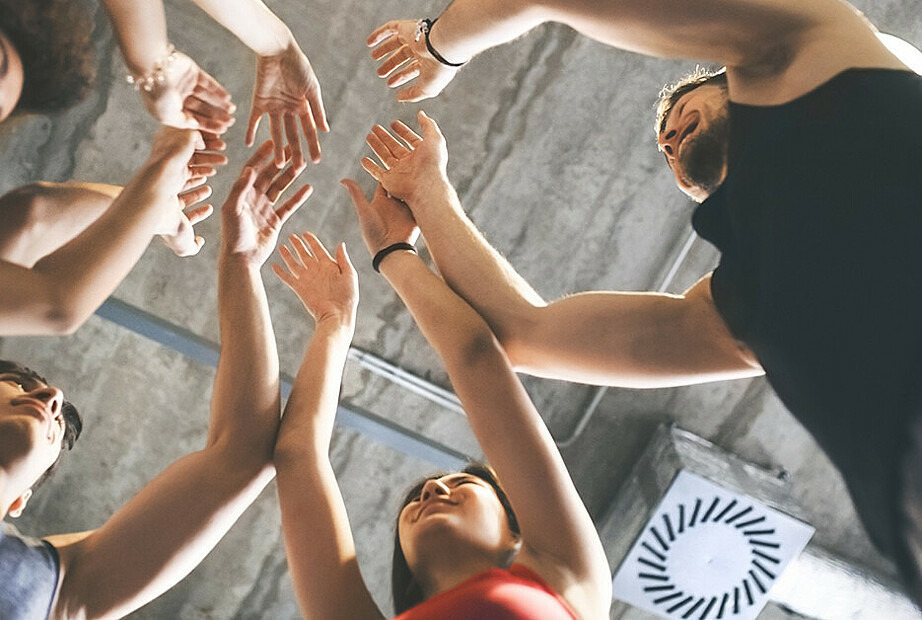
(774, 50)
(60, 290)
(559, 540)
(163, 532)
(640, 340)
(318, 539)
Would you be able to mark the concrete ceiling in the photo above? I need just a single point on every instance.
(552, 153)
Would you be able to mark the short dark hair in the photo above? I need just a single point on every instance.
(54, 38)
(671, 93)
(73, 424)
(405, 589)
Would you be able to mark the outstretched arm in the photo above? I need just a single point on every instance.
(179, 93)
(318, 540)
(58, 292)
(613, 338)
(559, 539)
(757, 39)
(286, 88)
(159, 536)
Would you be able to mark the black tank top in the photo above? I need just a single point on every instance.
(819, 224)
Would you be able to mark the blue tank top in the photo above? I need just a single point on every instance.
(28, 575)
(819, 224)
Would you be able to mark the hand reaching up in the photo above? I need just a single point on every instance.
(250, 220)
(288, 91)
(327, 286)
(384, 221)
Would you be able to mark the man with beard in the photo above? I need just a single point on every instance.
(804, 156)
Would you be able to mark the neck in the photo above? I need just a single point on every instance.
(449, 570)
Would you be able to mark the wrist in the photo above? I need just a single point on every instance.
(440, 48)
(335, 325)
(280, 41)
(393, 248)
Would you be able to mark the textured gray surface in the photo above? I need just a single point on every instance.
(552, 152)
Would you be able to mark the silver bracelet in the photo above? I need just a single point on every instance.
(157, 75)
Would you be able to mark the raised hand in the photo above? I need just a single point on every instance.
(327, 286)
(412, 165)
(384, 221)
(288, 91)
(187, 97)
(250, 221)
(403, 49)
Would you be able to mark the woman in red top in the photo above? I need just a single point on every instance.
(466, 555)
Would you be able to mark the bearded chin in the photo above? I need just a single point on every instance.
(704, 157)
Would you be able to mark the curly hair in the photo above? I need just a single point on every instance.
(54, 40)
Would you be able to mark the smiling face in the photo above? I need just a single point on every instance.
(11, 77)
(32, 426)
(455, 511)
(694, 139)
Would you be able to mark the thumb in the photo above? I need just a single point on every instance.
(342, 257)
(355, 192)
(428, 126)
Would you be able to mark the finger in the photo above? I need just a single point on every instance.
(316, 247)
(208, 84)
(409, 136)
(264, 179)
(206, 123)
(411, 94)
(242, 184)
(280, 184)
(376, 171)
(382, 32)
(204, 158)
(194, 182)
(291, 205)
(198, 214)
(310, 134)
(199, 242)
(203, 171)
(384, 154)
(318, 112)
(276, 125)
(200, 108)
(283, 275)
(397, 149)
(253, 125)
(428, 126)
(294, 138)
(404, 74)
(212, 142)
(257, 159)
(193, 196)
(289, 258)
(387, 46)
(344, 261)
(301, 249)
(355, 192)
(395, 60)
(214, 94)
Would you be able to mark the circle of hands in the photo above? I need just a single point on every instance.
(287, 90)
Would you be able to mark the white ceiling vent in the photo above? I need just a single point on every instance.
(708, 553)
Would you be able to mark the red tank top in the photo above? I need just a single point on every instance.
(495, 594)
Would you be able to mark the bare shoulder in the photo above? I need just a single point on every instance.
(834, 37)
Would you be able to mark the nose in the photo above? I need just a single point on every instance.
(432, 487)
(51, 396)
(667, 141)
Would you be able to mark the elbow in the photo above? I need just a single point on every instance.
(517, 334)
(478, 346)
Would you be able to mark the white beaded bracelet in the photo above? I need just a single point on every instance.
(157, 75)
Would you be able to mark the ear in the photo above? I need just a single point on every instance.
(19, 504)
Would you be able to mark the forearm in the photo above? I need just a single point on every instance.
(40, 217)
(83, 272)
(471, 266)
(307, 424)
(246, 401)
(140, 27)
(252, 22)
(468, 27)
